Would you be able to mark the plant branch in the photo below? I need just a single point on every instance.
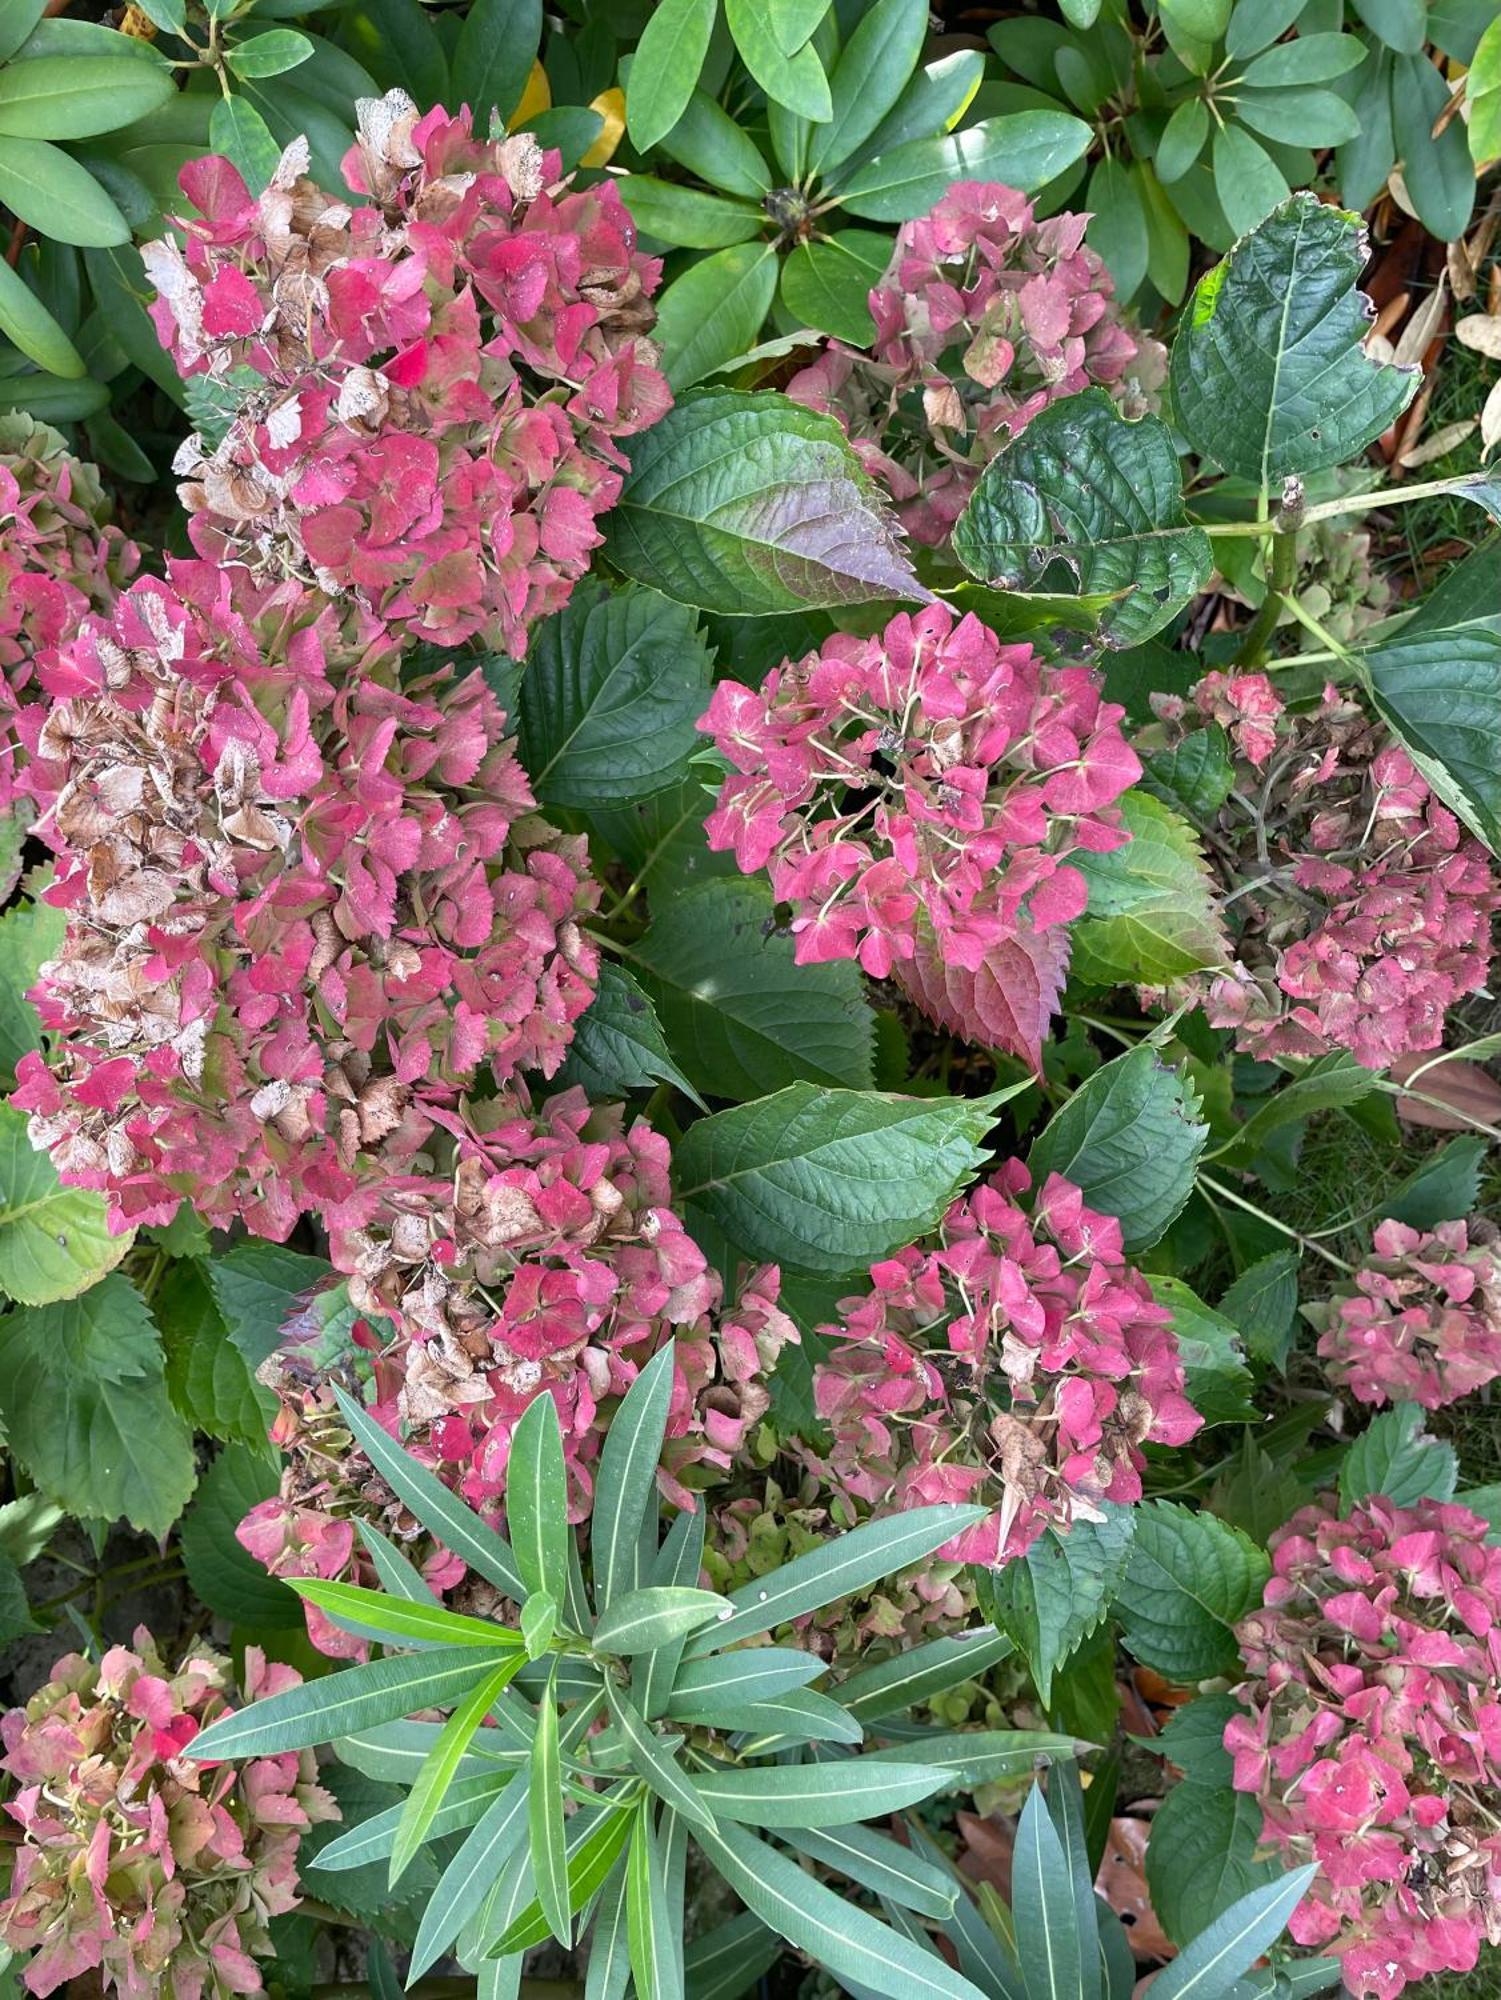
(1282, 573)
(1218, 1190)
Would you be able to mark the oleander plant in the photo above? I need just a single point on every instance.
(750, 844)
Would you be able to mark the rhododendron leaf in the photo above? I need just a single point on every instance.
(918, 1673)
(618, 1044)
(796, 81)
(1394, 1455)
(690, 217)
(241, 134)
(54, 1241)
(869, 77)
(829, 1181)
(669, 56)
(1329, 1083)
(880, 1864)
(714, 311)
(493, 56)
(1053, 1597)
(1216, 1379)
(1263, 1303)
(1207, 1968)
(84, 1402)
(492, 1839)
(610, 703)
(1022, 149)
(742, 1016)
(1269, 374)
(1087, 494)
(78, 96)
(825, 284)
(1045, 1911)
(638, 1621)
(1189, 1579)
(748, 504)
(221, 1574)
(399, 46)
(28, 323)
(854, 1946)
(1440, 693)
(57, 196)
(1151, 915)
(1129, 1137)
(1445, 1187)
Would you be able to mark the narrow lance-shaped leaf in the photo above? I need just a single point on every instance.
(537, 1499)
(437, 1774)
(624, 1488)
(1050, 1948)
(1206, 1969)
(641, 1620)
(466, 1880)
(371, 1614)
(321, 1711)
(548, 1839)
(654, 1762)
(653, 1953)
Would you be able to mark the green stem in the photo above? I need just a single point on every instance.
(1349, 503)
(1281, 575)
(1220, 1191)
(1325, 637)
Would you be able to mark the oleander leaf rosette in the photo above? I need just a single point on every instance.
(60, 558)
(1371, 1736)
(1019, 1364)
(136, 1867)
(307, 904)
(428, 387)
(916, 797)
(1419, 1320)
(1360, 908)
(547, 1261)
(984, 316)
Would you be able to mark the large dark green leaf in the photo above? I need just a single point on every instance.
(1051, 1599)
(1202, 1855)
(28, 323)
(1269, 375)
(708, 142)
(610, 702)
(493, 56)
(1086, 494)
(797, 82)
(1130, 1138)
(77, 96)
(1216, 1379)
(742, 1017)
(222, 1575)
(1189, 1579)
(259, 1287)
(713, 312)
(1151, 915)
(691, 217)
(749, 504)
(1440, 692)
(1025, 149)
(618, 1045)
(829, 1181)
(666, 67)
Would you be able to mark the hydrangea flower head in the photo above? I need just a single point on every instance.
(137, 1867)
(1420, 1321)
(305, 905)
(1372, 1733)
(984, 316)
(1022, 1364)
(428, 387)
(916, 797)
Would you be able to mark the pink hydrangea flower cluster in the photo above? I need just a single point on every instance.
(1372, 1737)
(306, 904)
(546, 1261)
(916, 797)
(984, 316)
(59, 560)
(1362, 908)
(1020, 1364)
(1420, 1321)
(150, 1874)
(432, 383)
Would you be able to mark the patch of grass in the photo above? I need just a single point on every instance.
(1422, 530)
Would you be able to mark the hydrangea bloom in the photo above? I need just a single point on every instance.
(431, 384)
(1362, 908)
(1021, 1364)
(59, 560)
(916, 797)
(1372, 1736)
(983, 317)
(304, 907)
(1420, 1322)
(152, 1873)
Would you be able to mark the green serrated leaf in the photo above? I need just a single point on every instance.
(1394, 1455)
(1051, 1599)
(1189, 1579)
(1151, 916)
(54, 1241)
(1263, 1303)
(1216, 1379)
(221, 1574)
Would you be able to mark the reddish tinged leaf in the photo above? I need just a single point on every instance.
(1007, 1004)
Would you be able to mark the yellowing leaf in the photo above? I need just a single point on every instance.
(610, 104)
(536, 98)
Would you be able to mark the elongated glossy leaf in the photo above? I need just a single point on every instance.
(77, 96)
(654, 1762)
(458, 1527)
(868, 78)
(653, 1948)
(1084, 494)
(1182, 140)
(714, 311)
(678, 1562)
(835, 1933)
(624, 1490)
(917, 1675)
(803, 1716)
(27, 322)
(467, 1801)
(831, 1794)
(1043, 1906)
(394, 1752)
(398, 1621)
(690, 217)
(880, 1864)
(537, 1498)
(638, 1621)
(1129, 1137)
(467, 1879)
(1023, 149)
(594, 1841)
(796, 82)
(668, 59)
(747, 504)
(1438, 172)
(323, 1710)
(1269, 375)
(1189, 1579)
(826, 284)
(754, 1673)
(982, 1756)
(241, 134)
(839, 1568)
(546, 1833)
(493, 56)
(829, 1181)
(1206, 1968)
(708, 142)
(609, 1969)
(1440, 692)
(438, 1773)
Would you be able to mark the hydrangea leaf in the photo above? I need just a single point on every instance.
(1216, 1379)
(830, 1181)
(30, 932)
(258, 1287)
(609, 708)
(1440, 693)
(1053, 1597)
(54, 1240)
(1189, 1579)
(1202, 1855)
(1269, 374)
(210, 1380)
(618, 1044)
(83, 1399)
(1151, 916)
(1130, 1138)
(221, 1574)
(1444, 1187)
(1394, 1455)
(1263, 1303)
(749, 504)
(1328, 1083)
(1085, 493)
(742, 1016)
